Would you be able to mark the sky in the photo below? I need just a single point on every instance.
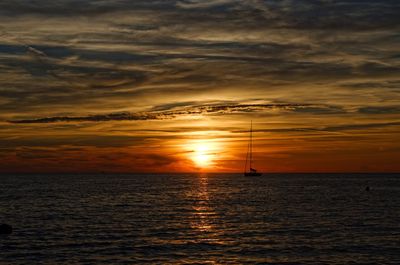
(172, 86)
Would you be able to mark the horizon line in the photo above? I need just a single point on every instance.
(181, 173)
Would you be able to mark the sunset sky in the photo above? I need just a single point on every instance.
(171, 86)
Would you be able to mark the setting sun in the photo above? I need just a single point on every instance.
(203, 153)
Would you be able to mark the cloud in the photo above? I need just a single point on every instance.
(101, 141)
(380, 110)
(203, 4)
(361, 126)
(387, 84)
(177, 111)
(320, 129)
(72, 67)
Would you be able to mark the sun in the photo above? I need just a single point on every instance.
(202, 153)
(201, 156)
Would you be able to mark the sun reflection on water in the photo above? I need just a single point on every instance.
(205, 219)
(202, 210)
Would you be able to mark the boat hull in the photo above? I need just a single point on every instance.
(252, 174)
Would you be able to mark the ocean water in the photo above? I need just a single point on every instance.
(201, 219)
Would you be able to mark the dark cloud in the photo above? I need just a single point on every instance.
(361, 126)
(321, 129)
(75, 75)
(303, 14)
(72, 140)
(154, 160)
(174, 110)
(380, 110)
(77, 7)
(187, 42)
(391, 84)
(192, 110)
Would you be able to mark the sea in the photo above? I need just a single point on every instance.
(200, 219)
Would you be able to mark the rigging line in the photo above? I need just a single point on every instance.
(251, 143)
(247, 156)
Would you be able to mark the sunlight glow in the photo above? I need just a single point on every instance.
(203, 152)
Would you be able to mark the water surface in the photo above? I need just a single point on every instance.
(201, 219)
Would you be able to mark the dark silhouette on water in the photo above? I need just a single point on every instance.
(367, 188)
(249, 157)
(5, 229)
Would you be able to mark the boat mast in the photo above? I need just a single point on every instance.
(251, 143)
(247, 157)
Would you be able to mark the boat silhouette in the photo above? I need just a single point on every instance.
(251, 172)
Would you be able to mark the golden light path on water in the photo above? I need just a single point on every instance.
(202, 209)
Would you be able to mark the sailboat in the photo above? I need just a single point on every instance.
(249, 157)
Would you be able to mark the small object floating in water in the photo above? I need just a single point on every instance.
(367, 188)
(249, 157)
(5, 229)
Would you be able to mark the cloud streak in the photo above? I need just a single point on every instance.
(170, 114)
(171, 111)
